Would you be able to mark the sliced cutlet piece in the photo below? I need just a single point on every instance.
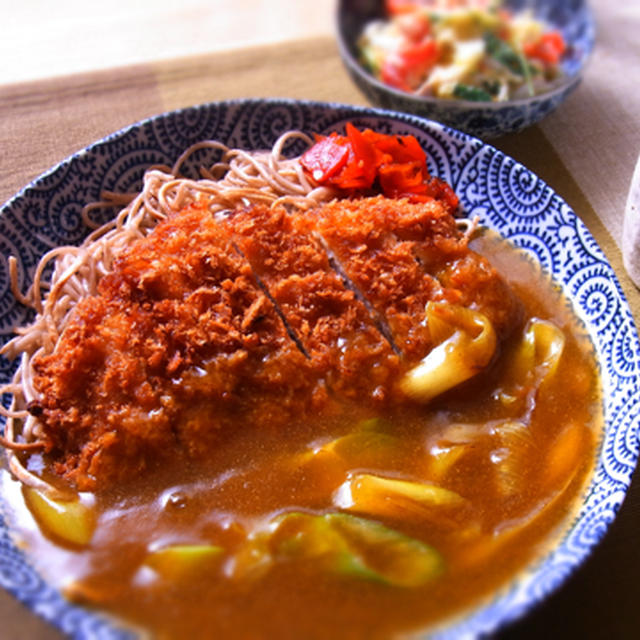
(333, 327)
(465, 277)
(361, 234)
(401, 255)
(180, 347)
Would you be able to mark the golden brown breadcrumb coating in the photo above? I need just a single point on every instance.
(214, 322)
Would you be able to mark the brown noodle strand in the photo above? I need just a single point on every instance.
(15, 289)
(21, 446)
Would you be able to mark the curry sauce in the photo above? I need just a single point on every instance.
(366, 521)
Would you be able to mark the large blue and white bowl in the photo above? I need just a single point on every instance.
(573, 18)
(503, 193)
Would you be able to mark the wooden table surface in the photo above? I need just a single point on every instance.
(74, 71)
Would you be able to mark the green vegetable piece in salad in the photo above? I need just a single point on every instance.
(506, 55)
(473, 94)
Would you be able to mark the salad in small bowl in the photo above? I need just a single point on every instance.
(487, 67)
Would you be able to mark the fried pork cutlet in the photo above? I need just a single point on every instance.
(180, 344)
(254, 317)
(333, 327)
(401, 255)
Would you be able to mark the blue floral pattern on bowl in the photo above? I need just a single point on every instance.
(505, 196)
(485, 120)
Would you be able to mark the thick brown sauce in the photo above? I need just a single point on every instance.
(259, 474)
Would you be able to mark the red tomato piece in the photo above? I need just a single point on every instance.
(406, 69)
(549, 49)
(395, 7)
(420, 56)
(415, 26)
(393, 74)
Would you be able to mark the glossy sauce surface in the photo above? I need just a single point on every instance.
(518, 486)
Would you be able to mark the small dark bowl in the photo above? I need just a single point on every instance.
(485, 120)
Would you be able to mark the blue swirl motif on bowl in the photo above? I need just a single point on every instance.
(503, 193)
